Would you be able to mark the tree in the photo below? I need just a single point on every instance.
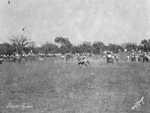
(20, 42)
(49, 48)
(144, 42)
(65, 44)
(75, 49)
(145, 45)
(112, 47)
(85, 47)
(62, 41)
(6, 49)
(98, 47)
(31, 46)
(130, 46)
(115, 48)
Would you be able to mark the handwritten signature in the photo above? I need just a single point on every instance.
(22, 106)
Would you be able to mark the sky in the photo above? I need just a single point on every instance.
(109, 21)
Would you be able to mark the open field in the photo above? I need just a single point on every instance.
(56, 86)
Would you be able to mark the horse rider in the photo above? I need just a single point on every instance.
(109, 58)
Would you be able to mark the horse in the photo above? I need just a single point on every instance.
(133, 58)
(146, 58)
(109, 59)
(82, 61)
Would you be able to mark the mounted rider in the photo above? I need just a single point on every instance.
(82, 60)
(109, 58)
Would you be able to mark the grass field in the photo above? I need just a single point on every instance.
(56, 86)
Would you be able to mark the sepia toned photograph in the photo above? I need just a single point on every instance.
(74, 56)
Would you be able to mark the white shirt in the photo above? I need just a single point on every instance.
(109, 56)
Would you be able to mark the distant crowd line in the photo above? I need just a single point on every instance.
(82, 59)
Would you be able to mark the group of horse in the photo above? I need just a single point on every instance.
(31, 57)
(17, 58)
(140, 58)
(145, 57)
(81, 60)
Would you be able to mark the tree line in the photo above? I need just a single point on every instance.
(21, 43)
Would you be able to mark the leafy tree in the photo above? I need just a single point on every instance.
(144, 42)
(62, 41)
(145, 45)
(98, 47)
(65, 45)
(6, 49)
(49, 48)
(130, 46)
(85, 47)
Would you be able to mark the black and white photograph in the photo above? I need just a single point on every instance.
(74, 56)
